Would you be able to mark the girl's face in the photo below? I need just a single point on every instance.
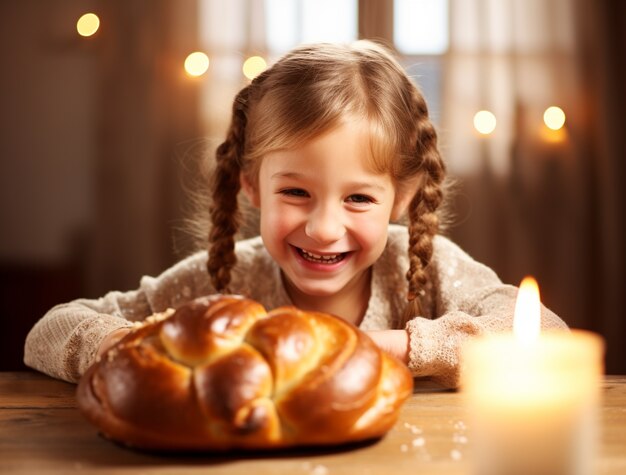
(324, 214)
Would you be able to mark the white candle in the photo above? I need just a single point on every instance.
(533, 398)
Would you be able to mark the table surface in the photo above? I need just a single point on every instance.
(42, 431)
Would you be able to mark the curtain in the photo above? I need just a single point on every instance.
(529, 200)
(146, 114)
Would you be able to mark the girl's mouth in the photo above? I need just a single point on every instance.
(321, 259)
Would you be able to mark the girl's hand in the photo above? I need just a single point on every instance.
(111, 339)
(394, 342)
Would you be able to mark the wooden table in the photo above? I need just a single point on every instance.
(41, 431)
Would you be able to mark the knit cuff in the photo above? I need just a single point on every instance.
(84, 342)
(422, 346)
(435, 345)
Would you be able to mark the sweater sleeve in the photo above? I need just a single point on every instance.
(64, 342)
(470, 300)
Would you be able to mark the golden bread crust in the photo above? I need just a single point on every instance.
(221, 373)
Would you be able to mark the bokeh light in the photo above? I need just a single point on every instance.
(485, 122)
(88, 24)
(197, 63)
(554, 117)
(254, 66)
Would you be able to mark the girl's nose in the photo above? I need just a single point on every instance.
(324, 225)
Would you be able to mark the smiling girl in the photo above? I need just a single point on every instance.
(332, 144)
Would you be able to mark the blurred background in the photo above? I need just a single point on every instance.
(104, 118)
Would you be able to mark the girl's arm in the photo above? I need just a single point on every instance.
(468, 300)
(67, 339)
(394, 342)
(434, 345)
(64, 342)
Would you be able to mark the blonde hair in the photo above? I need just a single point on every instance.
(306, 93)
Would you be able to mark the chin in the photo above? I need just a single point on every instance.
(314, 289)
(318, 291)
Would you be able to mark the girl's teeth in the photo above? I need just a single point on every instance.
(329, 259)
(317, 256)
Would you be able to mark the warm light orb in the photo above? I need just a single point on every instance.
(554, 117)
(197, 63)
(527, 317)
(253, 66)
(88, 24)
(485, 122)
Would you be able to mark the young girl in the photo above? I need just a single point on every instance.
(331, 144)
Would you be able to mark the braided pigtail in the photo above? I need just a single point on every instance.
(422, 210)
(224, 211)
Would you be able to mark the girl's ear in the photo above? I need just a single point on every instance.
(250, 190)
(400, 205)
(404, 196)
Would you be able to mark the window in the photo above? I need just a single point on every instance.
(291, 22)
(421, 35)
(421, 26)
(231, 31)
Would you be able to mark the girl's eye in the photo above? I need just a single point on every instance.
(360, 199)
(297, 192)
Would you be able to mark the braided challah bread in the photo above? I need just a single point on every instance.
(221, 373)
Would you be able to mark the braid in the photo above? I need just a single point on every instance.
(422, 211)
(224, 211)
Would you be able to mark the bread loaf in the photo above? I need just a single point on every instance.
(221, 373)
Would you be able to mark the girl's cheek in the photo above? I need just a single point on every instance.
(370, 228)
(279, 218)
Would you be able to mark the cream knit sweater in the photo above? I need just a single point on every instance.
(463, 298)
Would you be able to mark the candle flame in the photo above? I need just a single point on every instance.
(526, 321)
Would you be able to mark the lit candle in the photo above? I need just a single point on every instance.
(533, 397)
